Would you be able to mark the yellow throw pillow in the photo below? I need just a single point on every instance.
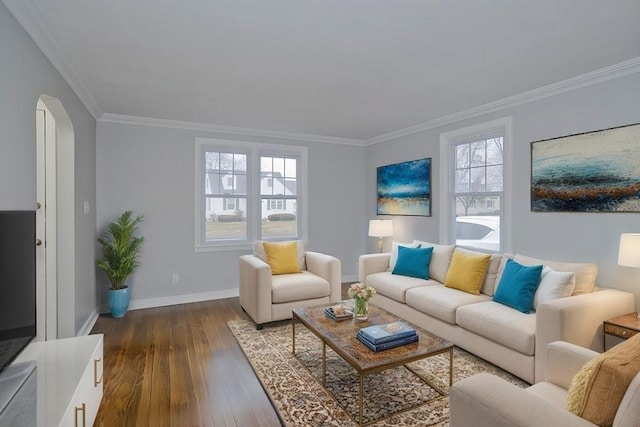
(466, 272)
(282, 257)
(598, 388)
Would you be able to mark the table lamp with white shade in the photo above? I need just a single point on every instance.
(380, 228)
(629, 252)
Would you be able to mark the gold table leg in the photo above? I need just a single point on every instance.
(293, 329)
(450, 367)
(324, 363)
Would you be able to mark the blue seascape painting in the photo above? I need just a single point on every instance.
(590, 172)
(405, 188)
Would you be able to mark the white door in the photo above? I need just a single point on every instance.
(46, 283)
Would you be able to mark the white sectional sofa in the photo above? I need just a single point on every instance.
(511, 339)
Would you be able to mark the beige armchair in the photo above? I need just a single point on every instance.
(485, 400)
(267, 298)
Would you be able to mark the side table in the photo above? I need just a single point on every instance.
(624, 327)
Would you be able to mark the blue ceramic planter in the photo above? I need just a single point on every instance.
(119, 301)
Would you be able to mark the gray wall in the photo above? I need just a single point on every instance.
(25, 75)
(151, 171)
(579, 237)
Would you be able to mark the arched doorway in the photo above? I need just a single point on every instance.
(55, 255)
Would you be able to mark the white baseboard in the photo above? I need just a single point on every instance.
(177, 299)
(88, 325)
(182, 299)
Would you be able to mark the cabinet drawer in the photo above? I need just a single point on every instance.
(619, 331)
(83, 407)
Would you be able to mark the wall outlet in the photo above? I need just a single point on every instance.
(175, 278)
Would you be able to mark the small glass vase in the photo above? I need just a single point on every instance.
(360, 309)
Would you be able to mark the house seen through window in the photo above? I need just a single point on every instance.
(247, 191)
(278, 200)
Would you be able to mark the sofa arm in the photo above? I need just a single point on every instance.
(564, 360)
(485, 400)
(372, 263)
(577, 320)
(255, 288)
(329, 268)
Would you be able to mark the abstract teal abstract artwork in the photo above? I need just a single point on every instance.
(588, 172)
(405, 188)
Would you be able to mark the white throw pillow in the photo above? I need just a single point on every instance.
(394, 252)
(553, 285)
(440, 259)
(586, 273)
(501, 266)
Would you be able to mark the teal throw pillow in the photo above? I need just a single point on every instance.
(413, 262)
(518, 286)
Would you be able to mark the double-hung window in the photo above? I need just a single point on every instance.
(474, 174)
(248, 191)
(278, 201)
(225, 194)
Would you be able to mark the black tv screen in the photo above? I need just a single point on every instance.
(17, 283)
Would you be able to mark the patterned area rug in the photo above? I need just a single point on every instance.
(294, 383)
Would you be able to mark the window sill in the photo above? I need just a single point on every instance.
(224, 247)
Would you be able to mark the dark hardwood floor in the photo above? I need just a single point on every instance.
(179, 366)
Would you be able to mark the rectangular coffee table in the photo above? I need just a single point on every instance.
(341, 337)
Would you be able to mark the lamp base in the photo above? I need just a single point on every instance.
(380, 244)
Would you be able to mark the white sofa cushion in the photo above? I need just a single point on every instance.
(585, 273)
(500, 324)
(395, 286)
(441, 302)
(502, 264)
(440, 259)
(298, 287)
(550, 392)
(553, 285)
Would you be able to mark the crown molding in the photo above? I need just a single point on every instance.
(27, 14)
(206, 127)
(608, 73)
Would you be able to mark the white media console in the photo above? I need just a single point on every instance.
(69, 381)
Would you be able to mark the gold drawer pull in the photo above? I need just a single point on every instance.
(84, 415)
(624, 332)
(97, 381)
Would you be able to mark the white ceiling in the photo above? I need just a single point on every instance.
(356, 70)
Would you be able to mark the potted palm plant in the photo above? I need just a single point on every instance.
(120, 248)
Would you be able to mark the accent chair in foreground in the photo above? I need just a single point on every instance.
(581, 388)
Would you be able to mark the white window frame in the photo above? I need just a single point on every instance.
(253, 150)
(448, 141)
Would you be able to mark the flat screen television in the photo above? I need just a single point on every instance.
(17, 283)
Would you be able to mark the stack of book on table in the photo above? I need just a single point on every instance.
(390, 335)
